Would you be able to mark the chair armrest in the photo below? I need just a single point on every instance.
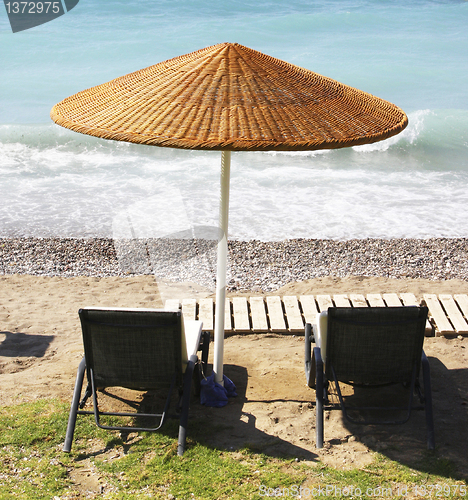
(320, 333)
(308, 340)
(309, 361)
(193, 331)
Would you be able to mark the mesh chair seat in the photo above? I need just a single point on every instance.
(371, 347)
(140, 349)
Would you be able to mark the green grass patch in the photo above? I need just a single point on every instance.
(102, 464)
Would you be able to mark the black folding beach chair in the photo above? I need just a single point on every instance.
(369, 347)
(140, 349)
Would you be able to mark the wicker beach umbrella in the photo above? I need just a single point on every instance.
(229, 97)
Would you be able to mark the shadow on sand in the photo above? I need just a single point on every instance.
(233, 427)
(407, 443)
(21, 350)
(17, 344)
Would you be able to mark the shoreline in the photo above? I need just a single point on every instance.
(254, 265)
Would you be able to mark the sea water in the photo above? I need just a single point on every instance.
(54, 182)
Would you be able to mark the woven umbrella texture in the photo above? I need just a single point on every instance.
(230, 97)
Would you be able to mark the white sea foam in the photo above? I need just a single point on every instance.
(410, 134)
(56, 183)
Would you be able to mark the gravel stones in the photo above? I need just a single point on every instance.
(254, 265)
(58, 257)
(274, 264)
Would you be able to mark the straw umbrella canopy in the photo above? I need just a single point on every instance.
(229, 97)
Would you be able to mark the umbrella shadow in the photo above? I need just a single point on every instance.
(406, 443)
(18, 344)
(151, 245)
(234, 428)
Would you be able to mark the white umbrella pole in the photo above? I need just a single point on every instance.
(221, 269)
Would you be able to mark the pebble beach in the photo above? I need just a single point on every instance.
(254, 265)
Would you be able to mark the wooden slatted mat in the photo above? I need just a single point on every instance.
(358, 300)
(437, 312)
(258, 315)
(454, 313)
(189, 308)
(392, 300)
(409, 299)
(448, 315)
(375, 300)
(172, 304)
(240, 314)
(324, 302)
(462, 301)
(228, 326)
(205, 313)
(276, 314)
(341, 301)
(309, 308)
(293, 314)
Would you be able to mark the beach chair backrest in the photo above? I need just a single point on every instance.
(136, 349)
(374, 345)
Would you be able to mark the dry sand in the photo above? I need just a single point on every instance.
(40, 348)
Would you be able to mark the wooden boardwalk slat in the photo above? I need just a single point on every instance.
(462, 301)
(409, 299)
(324, 302)
(358, 300)
(172, 305)
(392, 299)
(341, 300)
(189, 309)
(258, 314)
(241, 314)
(375, 300)
(309, 308)
(456, 317)
(293, 314)
(275, 314)
(206, 313)
(227, 316)
(443, 324)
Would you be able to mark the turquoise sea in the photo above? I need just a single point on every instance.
(54, 182)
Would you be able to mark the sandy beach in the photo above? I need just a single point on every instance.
(40, 348)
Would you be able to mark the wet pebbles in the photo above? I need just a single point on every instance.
(253, 265)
